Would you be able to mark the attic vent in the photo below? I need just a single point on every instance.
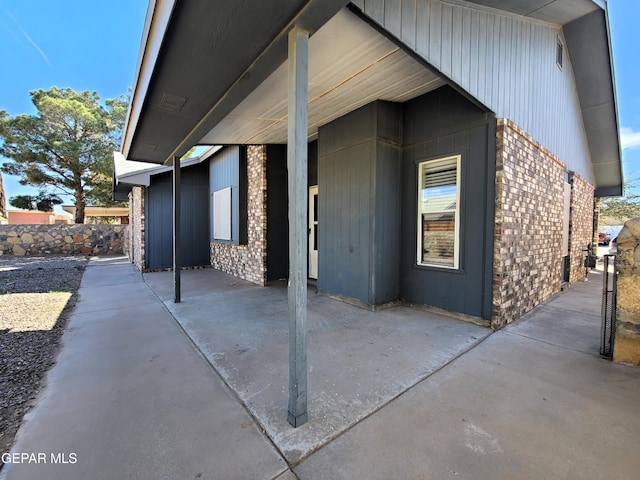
(559, 53)
(172, 103)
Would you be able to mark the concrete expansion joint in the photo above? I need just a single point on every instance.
(563, 347)
(222, 379)
(453, 359)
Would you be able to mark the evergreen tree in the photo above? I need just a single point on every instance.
(67, 147)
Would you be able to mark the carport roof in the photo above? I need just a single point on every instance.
(200, 60)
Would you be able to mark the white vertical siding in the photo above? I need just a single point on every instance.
(508, 63)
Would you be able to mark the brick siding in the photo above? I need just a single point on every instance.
(528, 224)
(249, 262)
(580, 226)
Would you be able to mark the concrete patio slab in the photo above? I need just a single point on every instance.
(105, 274)
(585, 296)
(107, 297)
(559, 320)
(358, 360)
(130, 397)
(400, 393)
(512, 407)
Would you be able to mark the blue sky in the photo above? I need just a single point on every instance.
(94, 45)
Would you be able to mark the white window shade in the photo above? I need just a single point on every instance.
(438, 239)
(222, 214)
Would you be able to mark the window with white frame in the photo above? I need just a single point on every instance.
(439, 212)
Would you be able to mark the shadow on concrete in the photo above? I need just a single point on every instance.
(358, 360)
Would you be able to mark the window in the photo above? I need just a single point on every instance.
(438, 212)
(228, 196)
(222, 214)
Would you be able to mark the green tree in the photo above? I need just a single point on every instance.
(67, 147)
(43, 202)
(617, 210)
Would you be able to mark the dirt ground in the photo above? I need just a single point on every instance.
(36, 296)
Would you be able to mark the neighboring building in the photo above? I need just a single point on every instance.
(455, 147)
(93, 214)
(36, 217)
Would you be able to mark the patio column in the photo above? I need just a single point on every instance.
(298, 200)
(176, 229)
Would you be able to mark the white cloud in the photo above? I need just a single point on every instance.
(629, 138)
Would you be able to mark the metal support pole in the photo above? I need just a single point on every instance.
(176, 229)
(298, 204)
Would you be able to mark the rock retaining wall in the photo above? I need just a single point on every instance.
(87, 239)
(627, 340)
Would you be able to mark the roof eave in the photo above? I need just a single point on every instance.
(589, 46)
(155, 27)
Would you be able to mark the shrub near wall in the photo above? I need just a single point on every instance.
(88, 239)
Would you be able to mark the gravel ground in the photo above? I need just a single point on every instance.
(36, 296)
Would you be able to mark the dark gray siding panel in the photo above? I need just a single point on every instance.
(229, 169)
(345, 151)
(359, 216)
(194, 219)
(158, 226)
(277, 215)
(344, 176)
(439, 124)
(506, 62)
(312, 160)
(385, 248)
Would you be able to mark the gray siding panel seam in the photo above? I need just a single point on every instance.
(509, 67)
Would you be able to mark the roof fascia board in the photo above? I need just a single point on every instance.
(156, 23)
(613, 87)
(601, 192)
(143, 177)
(576, 34)
(311, 17)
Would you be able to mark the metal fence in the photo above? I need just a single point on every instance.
(609, 292)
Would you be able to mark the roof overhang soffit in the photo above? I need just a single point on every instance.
(590, 52)
(194, 84)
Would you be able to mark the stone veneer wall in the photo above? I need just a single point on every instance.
(3, 200)
(85, 239)
(249, 262)
(626, 345)
(580, 226)
(528, 224)
(136, 227)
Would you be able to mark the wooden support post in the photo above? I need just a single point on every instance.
(176, 230)
(298, 204)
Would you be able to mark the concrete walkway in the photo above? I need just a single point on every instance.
(400, 393)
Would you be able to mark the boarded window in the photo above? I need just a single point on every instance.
(228, 181)
(222, 214)
(438, 212)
